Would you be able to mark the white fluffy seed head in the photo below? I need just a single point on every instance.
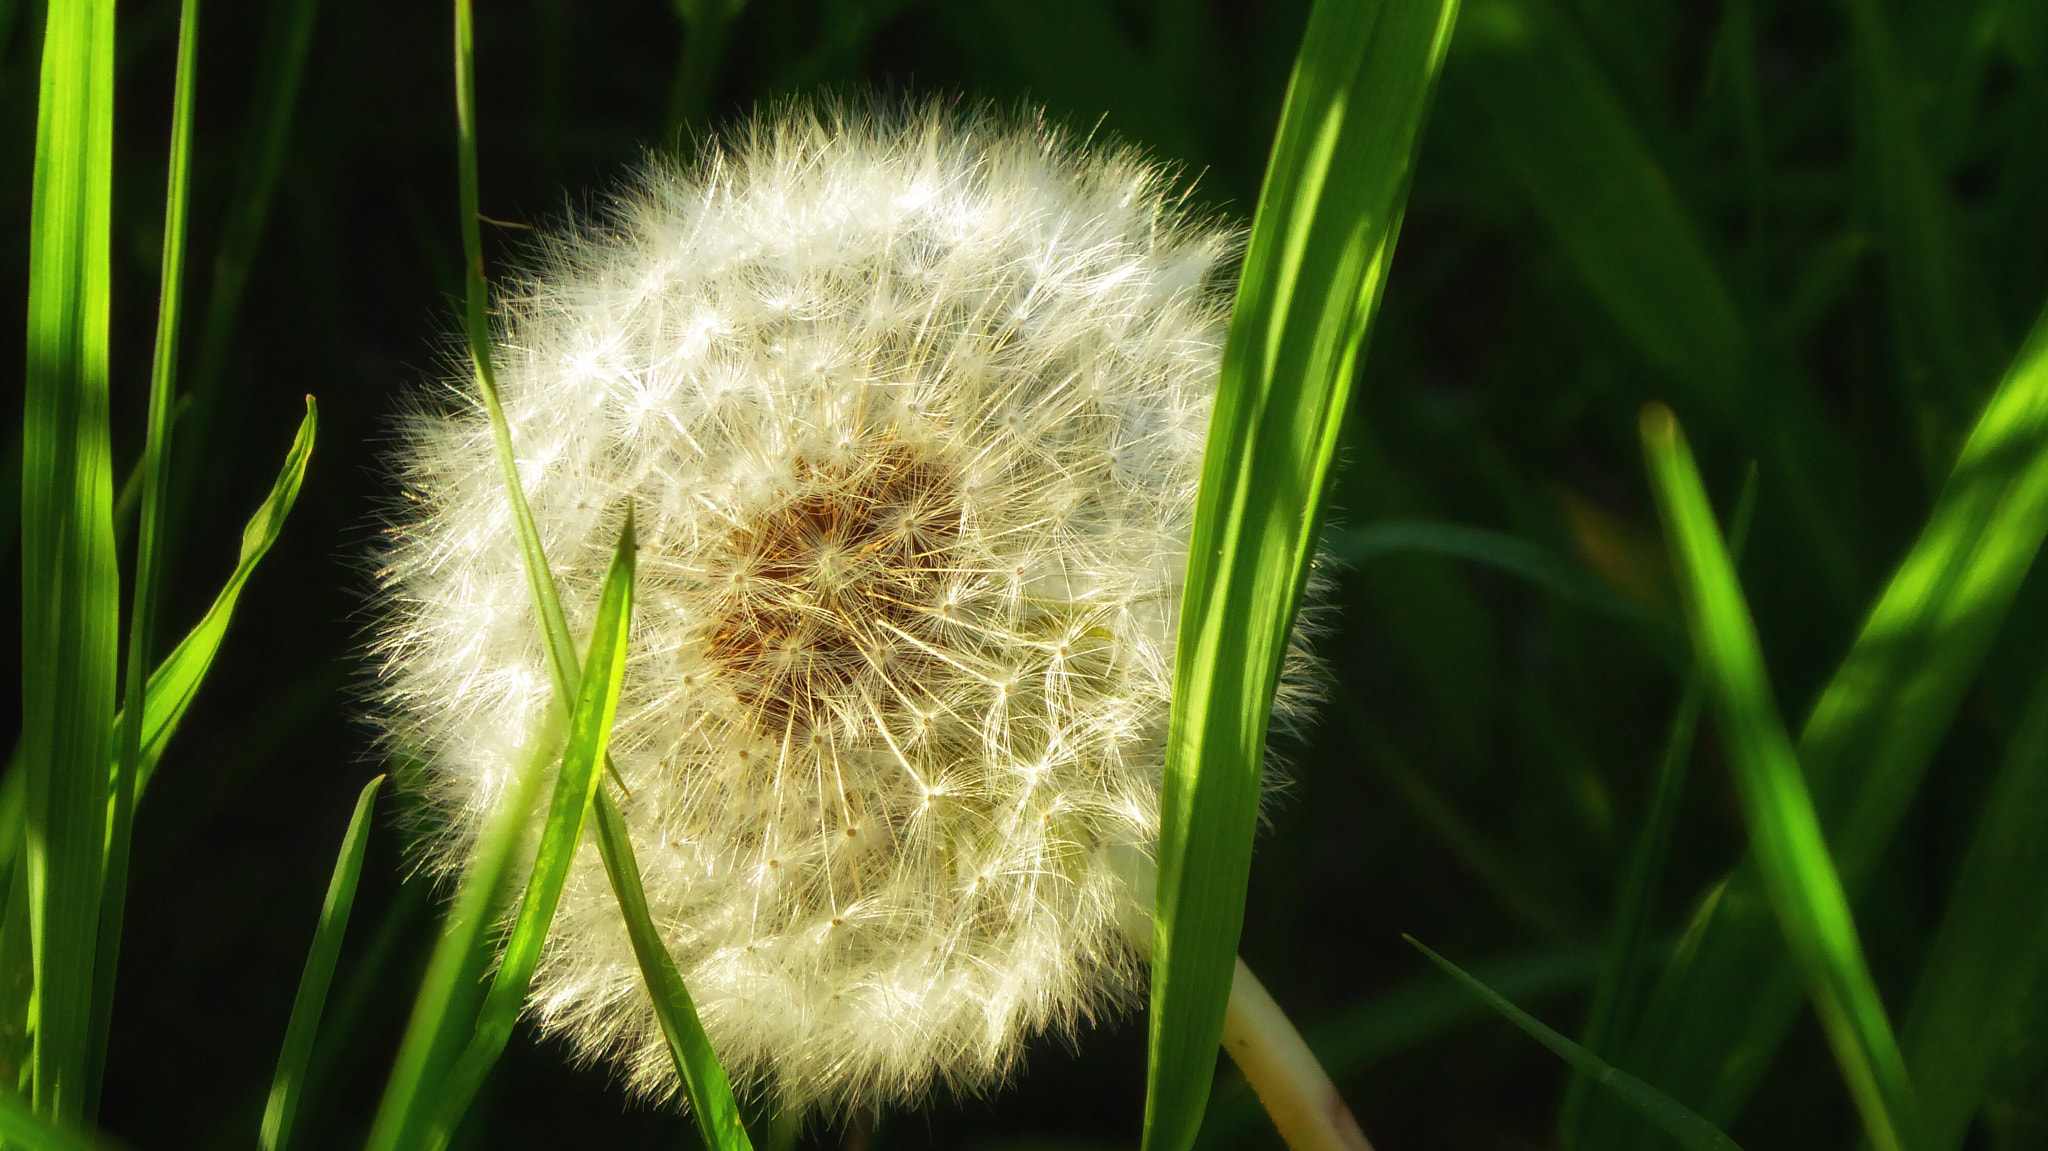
(911, 409)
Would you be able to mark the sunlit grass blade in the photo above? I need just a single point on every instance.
(1940, 321)
(176, 681)
(1689, 1129)
(590, 732)
(290, 1081)
(1336, 187)
(155, 471)
(1567, 135)
(451, 991)
(1992, 946)
(1715, 1019)
(1616, 990)
(711, 1101)
(70, 588)
(1785, 830)
(24, 1130)
(477, 326)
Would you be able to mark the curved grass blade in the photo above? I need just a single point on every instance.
(311, 1001)
(1689, 1129)
(1785, 830)
(1321, 244)
(176, 681)
(155, 472)
(590, 732)
(1992, 947)
(70, 587)
(711, 1101)
(1715, 1018)
(1512, 554)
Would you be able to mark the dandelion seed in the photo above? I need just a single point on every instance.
(905, 408)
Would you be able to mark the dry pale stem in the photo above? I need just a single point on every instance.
(1296, 1091)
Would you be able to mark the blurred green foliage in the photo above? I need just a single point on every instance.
(1819, 232)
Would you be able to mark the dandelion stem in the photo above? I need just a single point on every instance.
(1292, 1085)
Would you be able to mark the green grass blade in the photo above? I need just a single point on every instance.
(155, 471)
(1323, 237)
(718, 1116)
(1992, 946)
(477, 325)
(307, 1006)
(590, 732)
(1940, 321)
(1715, 1019)
(1621, 961)
(1785, 830)
(176, 681)
(451, 991)
(1689, 1129)
(22, 1128)
(1512, 554)
(1566, 134)
(70, 587)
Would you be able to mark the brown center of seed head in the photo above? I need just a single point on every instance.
(835, 601)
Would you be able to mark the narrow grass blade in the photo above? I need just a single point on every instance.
(718, 1116)
(176, 681)
(477, 325)
(1939, 315)
(290, 1080)
(1324, 235)
(1351, 1041)
(155, 471)
(1715, 1019)
(1616, 990)
(590, 732)
(1689, 1129)
(444, 1011)
(1567, 135)
(1512, 554)
(281, 68)
(1992, 947)
(1785, 830)
(22, 1128)
(70, 588)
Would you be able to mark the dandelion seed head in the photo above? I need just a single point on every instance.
(911, 410)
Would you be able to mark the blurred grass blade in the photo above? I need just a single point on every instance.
(711, 1101)
(70, 587)
(155, 472)
(1785, 830)
(1940, 322)
(1992, 947)
(280, 69)
(1689, 1129)
(1715, 1019)
(176, 681)
(590, 732)
(1617, 988)
(1350, 1041)
(1335, 191)
(451, 991)
(24, 1130)
(1568, 137)
(307, 1006)
(1509, 553)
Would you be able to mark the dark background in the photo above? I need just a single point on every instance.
(1489, 744)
